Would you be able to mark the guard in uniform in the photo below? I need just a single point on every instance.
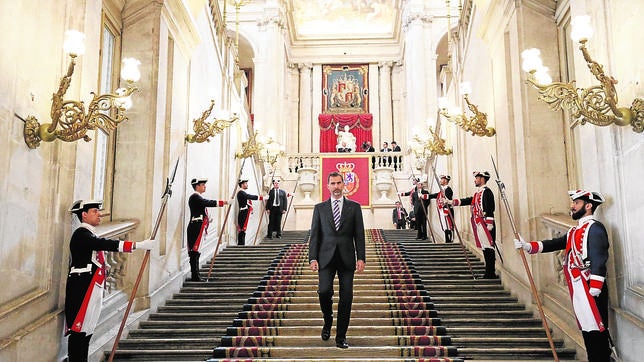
(420, 200)
(445, 211)
(276, 206)
(198, 225)
(584, 266)
(87, 274)
(482, 220)
(245, 209)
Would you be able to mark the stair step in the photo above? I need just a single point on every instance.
(356, 351)
(412, 294)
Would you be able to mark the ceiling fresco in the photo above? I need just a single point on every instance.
(344, 19)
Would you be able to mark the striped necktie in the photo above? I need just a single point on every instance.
(336, 213)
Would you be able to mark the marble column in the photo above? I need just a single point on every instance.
(306, 118)
(270, 68)
(385, 100)
(419, 70)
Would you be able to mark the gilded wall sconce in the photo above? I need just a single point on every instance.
(70, 120)
(272, 151)
(250, 147)
(596, 104)
(204, 130)
(477, 124)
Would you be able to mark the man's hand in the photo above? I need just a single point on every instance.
(360, 266)
(314, 265)
(520, 243)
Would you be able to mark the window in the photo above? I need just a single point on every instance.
(567, 70)
(105, 142)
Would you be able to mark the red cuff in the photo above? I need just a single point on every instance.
(128, 246)
(221, 203)
(456, 202)
(261, 198)
(596, 281)
(534, 247)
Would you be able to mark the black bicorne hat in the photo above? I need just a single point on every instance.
(197, 181)
(82, 205)
(483, 174)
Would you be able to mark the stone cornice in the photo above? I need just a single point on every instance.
(182, 26)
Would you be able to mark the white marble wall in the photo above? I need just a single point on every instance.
(540, 155)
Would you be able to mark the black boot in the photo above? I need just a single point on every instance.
(448, 236)
(490, 258)
(241, 238)
(194, 266)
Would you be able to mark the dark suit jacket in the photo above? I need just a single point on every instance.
(271, 199)
(349, 240)
(403, 214)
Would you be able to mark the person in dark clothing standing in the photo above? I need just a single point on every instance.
(482, 220)
(87, 275)
(198, 225)
(584, 266)
(420, 200)
(336, 246)
(397, 159)
(399, 216)
(445, 211)
(276, 206)
(245, 209)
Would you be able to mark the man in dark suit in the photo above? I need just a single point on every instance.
(337, 240)
(276, 207)
(397, 159)
(399, 216)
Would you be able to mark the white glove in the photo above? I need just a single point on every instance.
(490, 227)
(520, 243)
(594, 292)
(146, 244)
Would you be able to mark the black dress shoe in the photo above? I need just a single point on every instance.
(269, 237)
(326, 333)
(342, 343)
(279, 236)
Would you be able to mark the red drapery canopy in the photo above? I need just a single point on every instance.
(360, 125)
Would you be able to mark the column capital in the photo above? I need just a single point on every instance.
(416, 19)
(271, 20)
(305, 66)
(386, 64)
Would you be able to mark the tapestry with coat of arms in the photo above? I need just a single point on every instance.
(345, 88)
(356, 172)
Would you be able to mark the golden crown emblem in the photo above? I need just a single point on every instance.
(345, 167)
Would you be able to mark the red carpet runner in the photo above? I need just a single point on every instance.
(393, 318)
